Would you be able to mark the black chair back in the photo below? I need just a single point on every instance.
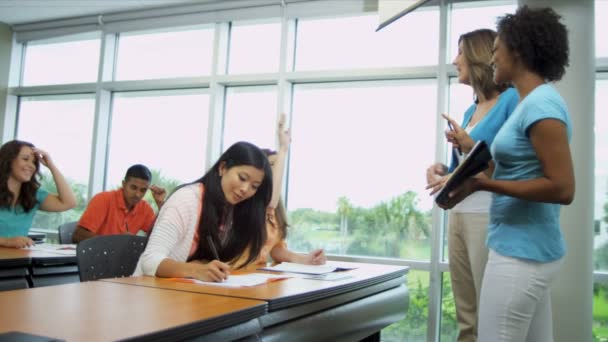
(65, 232)
(109, 256)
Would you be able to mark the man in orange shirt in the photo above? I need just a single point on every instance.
(121, 211)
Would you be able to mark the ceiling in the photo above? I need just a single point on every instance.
(27, 11)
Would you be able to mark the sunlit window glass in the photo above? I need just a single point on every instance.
(72, 59)
(600, 243)
(150, 55)
(601, 28)
(467, 17)
(356, 176)
(601, 176)
(164, 130)
(63, 127)
(352, 42)
(414, 326)
(251, 114)
(254, 48)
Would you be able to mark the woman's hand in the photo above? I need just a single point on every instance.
(283, 134)
(16, 242)
(316, 257)
(457, 136)
(435, 172)
(215, 271)
(468, 187)
(438, 184)
(158, 194)
(43, 157)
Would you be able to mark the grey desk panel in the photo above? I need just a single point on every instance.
(54, 279)
(7, 284)
(242, 332)
(303, 309)
(349, 322)
(14, 272)
(54, 269)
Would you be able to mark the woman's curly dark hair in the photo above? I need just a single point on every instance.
(539, 38)
(27, 197)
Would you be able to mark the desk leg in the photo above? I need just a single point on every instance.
(372, 338)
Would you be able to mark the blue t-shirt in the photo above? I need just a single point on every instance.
(519, 228)
(16, 222)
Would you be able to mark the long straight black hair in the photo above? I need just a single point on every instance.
(248, 231)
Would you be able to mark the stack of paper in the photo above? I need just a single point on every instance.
(252, 279)
(55, 249)
(305, 269)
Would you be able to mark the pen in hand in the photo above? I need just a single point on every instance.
(452, 129)
(216, 256)
(212, 247)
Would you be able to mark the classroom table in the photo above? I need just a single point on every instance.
(22, 268)
(104, 311)
(299, 309)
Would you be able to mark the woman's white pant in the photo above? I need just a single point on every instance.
(515, 303)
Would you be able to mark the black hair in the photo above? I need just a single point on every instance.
(248, 230)
(139, 171)
(27, 196)
(539, 39)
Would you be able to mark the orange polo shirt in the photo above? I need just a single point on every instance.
(107, 214)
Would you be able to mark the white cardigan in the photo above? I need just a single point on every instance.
(173, 230)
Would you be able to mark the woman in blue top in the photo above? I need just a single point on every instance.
(532, 176)
(468, 222)
(20, 193)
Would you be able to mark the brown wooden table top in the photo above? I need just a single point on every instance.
(104, 311)
(295, 289)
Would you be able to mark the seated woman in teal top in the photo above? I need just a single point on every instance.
(20, 193)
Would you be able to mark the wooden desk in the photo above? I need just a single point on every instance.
(104, 311)
(349, 309)
(21, 268)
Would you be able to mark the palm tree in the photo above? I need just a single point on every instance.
(345, 208)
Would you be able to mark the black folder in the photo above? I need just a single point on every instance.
(476, 161)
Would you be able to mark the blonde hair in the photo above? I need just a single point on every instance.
(477, 50)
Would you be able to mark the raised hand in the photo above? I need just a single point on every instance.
(159, 194)
(42, 156)
(283, 134)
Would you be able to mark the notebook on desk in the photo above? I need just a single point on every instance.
(37, 237)
(476, 161)
(290, 267)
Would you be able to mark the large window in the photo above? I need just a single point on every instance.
(355, 187)
(466, 17)
(250, 115)
(149, 55)
(254, 48)
(351, 42)
(72, 59)
(164, 130)
(43, 122)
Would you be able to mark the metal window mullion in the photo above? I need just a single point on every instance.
(217, 93)
(100, 140)
(435, 283)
